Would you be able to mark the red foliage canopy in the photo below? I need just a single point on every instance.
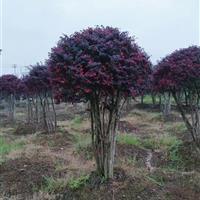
(9, 84)
(98, 59)
(179, 70)
(37, 81)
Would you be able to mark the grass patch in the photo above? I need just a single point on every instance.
(175, 157)
(155, 117)
(157, 142)
(6, 147)
(82, 141)
(160, 142)
(52, 185)
(78, 182)
(148, 99)
(157, 179)
(82, 144)
(128, 139)
(77, 120)
(169, 144)
(177, 128)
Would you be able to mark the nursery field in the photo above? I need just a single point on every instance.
(155, 159)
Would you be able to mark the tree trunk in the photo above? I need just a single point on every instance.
(166, 106)
(54, 111)
(11, 107)
(142, 99)
(104, 120)
(192, 125)
(153, 97)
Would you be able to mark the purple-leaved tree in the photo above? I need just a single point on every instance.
(102, 66)
(179, 74)
(38, 92)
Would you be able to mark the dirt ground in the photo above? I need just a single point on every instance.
(155, 159)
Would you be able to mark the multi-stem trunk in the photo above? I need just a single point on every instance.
(104, 118)
(192, 123)
(49, 124)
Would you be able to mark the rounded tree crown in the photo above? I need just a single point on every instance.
(9, 84)
(37, 81)
(179, 70)
(100, 59)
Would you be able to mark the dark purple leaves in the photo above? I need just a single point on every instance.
(180, 70)
(9, 84)
(98, 59)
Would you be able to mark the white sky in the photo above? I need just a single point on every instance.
(32, 27)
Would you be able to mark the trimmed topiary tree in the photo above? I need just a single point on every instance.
(179, 74)
(102, 66)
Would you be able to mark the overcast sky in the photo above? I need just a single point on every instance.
(32, 27)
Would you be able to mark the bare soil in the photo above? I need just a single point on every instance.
(24, 175)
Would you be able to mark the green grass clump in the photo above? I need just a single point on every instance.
(81, 141)
(148, 99)
(78, 182)
(175, 157)
(77, 120)
(52, 185)
(157, 179)
(160, 142)
(128, 139)
(6, 147)
(178, 128)
(164, 142)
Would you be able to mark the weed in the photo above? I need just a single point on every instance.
(79, 182)
(131, 160)
(157, 179)
(52, 185)
(176, 160)
(82, 141)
